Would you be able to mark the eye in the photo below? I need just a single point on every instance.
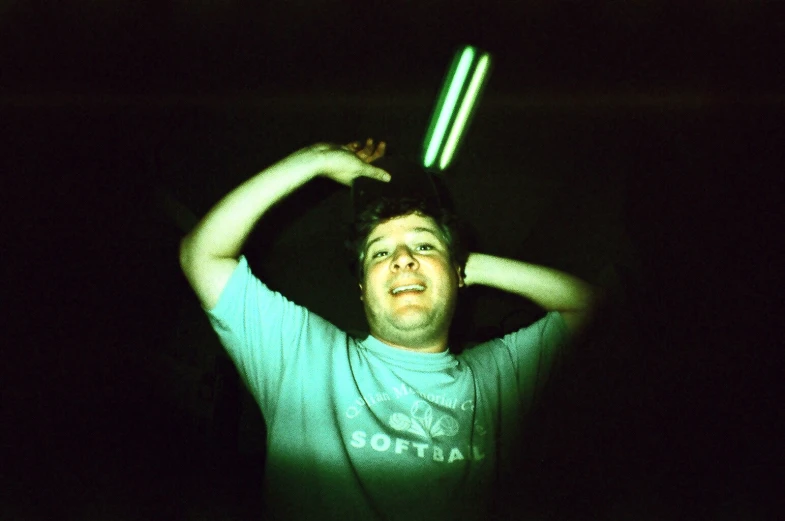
(378, 254)
(425, 247)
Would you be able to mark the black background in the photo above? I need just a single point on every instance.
(636, 144)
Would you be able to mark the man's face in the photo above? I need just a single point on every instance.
(410, 285)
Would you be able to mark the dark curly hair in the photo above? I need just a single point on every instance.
(453, 230)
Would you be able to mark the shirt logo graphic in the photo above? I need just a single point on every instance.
(421, 422)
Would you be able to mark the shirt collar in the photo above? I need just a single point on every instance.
(409, 359)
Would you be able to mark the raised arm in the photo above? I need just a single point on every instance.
(550, 289)
(210, 252)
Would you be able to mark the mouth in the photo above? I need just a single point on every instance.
(407, 289)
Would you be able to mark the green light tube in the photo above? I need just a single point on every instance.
(448, 106)
(469, 102)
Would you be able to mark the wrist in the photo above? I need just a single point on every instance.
(306, 163)
(472, 269)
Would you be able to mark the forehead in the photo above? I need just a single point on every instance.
(404, 224)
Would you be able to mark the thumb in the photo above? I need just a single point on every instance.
(376, 173)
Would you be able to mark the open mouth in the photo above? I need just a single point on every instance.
(408, 288)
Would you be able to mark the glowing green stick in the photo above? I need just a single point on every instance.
(469, 102)
(455, 90)
(447, 100)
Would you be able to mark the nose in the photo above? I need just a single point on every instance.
(403, 259)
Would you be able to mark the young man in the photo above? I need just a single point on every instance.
(393, 426)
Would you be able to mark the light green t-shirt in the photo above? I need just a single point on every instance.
(357, 429)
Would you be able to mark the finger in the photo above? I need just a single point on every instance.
(376, 154)
(368, 153)
(363, 154)
(379, 152)
(378, 174)
(368, 150)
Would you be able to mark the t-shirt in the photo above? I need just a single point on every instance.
(357, 429)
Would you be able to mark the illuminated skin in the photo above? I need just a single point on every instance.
(403, 251)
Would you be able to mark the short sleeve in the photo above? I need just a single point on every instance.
(520, 362)
(535, 349)
(262, 332)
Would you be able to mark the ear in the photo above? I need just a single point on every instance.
(361, 291)
(459, 271)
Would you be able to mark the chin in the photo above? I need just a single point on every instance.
(412, 332)
(412, 319)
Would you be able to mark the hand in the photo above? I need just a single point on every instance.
(369, 154)
(346, 163)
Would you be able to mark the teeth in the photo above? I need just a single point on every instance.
(415, 287)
